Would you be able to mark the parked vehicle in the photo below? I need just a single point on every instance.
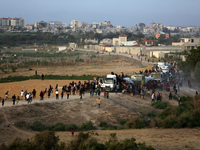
(109, 82)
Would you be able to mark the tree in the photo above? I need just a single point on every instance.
(60, 29)
(197, 71)
(194, 57)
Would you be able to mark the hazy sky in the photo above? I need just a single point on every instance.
(119, 12)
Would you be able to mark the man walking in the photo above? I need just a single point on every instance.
(22, 94)
(57, 97)
(14, 98)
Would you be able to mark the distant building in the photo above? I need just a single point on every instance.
(122, 41)
(40, 25)
(155, 28)
(106, 23)
(195, 30)
(95, 25)
(122, 38)
(106, 41)
(190, 43)
(148, 42)
(162, 34)
(14, 22)
(85, 25)
(117, 41)
(75, 24)
(92, 41)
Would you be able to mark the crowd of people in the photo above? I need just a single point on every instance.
(172, 81)
(93, 87)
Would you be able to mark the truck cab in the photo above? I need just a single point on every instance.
(109, 82)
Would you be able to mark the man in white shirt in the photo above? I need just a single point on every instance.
(57, 97)
(22, 94)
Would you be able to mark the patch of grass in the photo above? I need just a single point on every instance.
(49, 77)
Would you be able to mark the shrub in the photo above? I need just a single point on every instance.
(183, 107)
(110, 127)
(151, 115)
(195, 115)
(59, 127)
(103, 124)
(107, 126)
(185, 119)
(13, 68)
(171, 122)
(166, 112)
(184, 99)
(45, 140)
(69, 127)
(113, 143)
(160, 105)
(174, 97)
(48, 141)
(137, 123)
(122, 122)
(87, 126)
(37, 126)
(141, 123)
(156, 123)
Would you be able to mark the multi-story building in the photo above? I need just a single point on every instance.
(190, 43)
(14, 22)
(75, 24)
(155, 28)
(40, 25)
(122, 38)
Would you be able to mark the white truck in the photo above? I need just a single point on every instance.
(109, 82)
(163, 66)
